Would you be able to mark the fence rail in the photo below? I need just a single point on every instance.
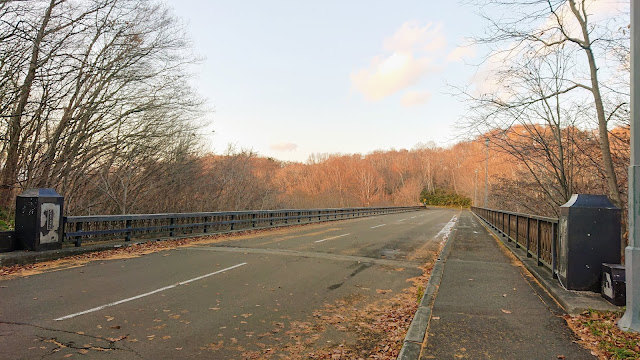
(78, 229)
(538, 235)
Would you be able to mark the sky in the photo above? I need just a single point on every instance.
(289, 78)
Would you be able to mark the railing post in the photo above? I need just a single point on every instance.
(538, 243)
(554, 253)
(78, 239)
(172, 221)
(299, 215)
(286, 217)
(508, 227)
(517, 233)
(528, 237)
(128, 225)
(205, 227)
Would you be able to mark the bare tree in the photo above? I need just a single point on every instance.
(532, 30)
(103, 82)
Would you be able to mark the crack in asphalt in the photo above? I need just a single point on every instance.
(308, 254)
(70, 344)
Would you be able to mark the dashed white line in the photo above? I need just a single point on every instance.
(333, 237)
(146, 294)
(401, 220)
(377, 226)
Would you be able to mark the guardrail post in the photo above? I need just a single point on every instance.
(172, 221)
(205, 227)
(529, 237)
(538, 243)
(128, 235)
(554, 252)
(78, 239)
(517, 232)
(508, 227)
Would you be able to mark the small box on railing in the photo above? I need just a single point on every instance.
(614, 287)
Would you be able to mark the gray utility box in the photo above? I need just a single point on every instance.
(589, 235)
(39, 220)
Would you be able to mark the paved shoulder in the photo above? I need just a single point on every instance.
(486, 307)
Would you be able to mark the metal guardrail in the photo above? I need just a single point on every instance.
(113, 227)
(537, 234)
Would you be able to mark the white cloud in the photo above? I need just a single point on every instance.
(411, 37)
(413, 98)
(284, 147)
(410, 54)
(388, 75)
(461, 53)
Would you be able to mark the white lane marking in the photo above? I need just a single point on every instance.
(413, 217)
(333, 237)
(373, 227)
(401, 220)
(446, 230)
(146, 294)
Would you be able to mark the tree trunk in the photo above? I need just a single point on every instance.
(9, 176)
(603, 133)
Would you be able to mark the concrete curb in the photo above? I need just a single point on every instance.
(31, 257)
(573, 302)
(412, 345)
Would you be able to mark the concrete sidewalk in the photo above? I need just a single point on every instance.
(489, 307)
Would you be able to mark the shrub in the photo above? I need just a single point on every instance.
(443, 197)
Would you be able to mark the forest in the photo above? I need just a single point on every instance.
(95, 101)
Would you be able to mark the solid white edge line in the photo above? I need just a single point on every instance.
(373, 227)
(146, 294)
(333, 237)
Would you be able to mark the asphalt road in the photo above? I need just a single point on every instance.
(247, 295)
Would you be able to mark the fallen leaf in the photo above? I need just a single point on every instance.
(506, 311)
(117, 339)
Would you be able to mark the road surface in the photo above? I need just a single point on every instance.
(280, 294)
